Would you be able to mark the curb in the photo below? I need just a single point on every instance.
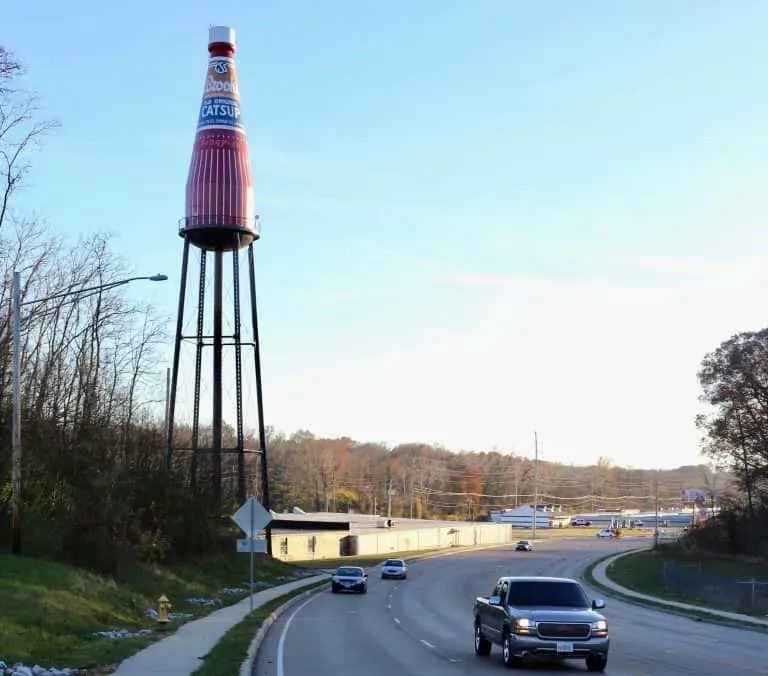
(247, 667)
(608, 560)
(712, 615)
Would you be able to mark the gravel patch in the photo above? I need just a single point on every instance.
(119, 634)
(19, 669)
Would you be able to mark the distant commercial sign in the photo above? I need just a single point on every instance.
(695, 496)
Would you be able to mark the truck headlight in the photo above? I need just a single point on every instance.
(524, 626)
(600, 628)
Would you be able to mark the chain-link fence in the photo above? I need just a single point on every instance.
(741, 594)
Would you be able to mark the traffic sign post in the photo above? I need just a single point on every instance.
(252, 518)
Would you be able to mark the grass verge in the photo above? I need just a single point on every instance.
(231, 651)
(50, 612)
(698, 615)
(643, 572)
(365, 560)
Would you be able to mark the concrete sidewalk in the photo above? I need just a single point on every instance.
(181, 653)
(600, 573)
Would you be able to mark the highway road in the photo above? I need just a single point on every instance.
(423, 626)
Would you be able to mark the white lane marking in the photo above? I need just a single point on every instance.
(281, 642)
(426, 643)
(395, 620)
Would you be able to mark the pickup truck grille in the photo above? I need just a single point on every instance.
(563, 630)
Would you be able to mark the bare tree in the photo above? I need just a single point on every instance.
(21, 130)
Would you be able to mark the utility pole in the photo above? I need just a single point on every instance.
(656, 498)
(389, 499)
(535, 481)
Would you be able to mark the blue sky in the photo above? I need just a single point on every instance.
(479, 218)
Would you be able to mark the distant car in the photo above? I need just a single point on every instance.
(523, 546)
(606, 534)
(580, 522)
(394, 568)
(349, 578)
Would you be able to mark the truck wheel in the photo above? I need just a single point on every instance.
(597, 663)
(482, 644)
(510, 661)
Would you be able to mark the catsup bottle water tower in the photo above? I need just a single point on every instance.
(219, 220)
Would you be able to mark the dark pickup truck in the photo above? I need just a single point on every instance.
(547, 617)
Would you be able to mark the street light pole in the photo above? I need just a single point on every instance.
(16, 305)
(535, 482)
(656, 510)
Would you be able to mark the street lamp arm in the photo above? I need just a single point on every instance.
(96, 288)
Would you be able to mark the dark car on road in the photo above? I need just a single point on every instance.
(349, 578)
(548, 617)
(524, 546)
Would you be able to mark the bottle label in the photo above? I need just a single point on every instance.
(220, 107)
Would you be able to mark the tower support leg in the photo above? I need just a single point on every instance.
(239, 429)
(216, 422)
(259, 395)
(199, 345)
(176, 356)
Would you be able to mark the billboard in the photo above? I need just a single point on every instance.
(695, 496)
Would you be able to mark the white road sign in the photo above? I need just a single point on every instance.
(252, 517)
(256, 546)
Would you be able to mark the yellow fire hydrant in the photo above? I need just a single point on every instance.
(163, 608)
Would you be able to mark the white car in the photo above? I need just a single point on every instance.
(395, 568)
(606, 534)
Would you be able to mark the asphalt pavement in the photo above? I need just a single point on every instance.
(423, 626)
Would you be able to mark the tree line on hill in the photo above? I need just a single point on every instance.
(95, 488)
(424, 481)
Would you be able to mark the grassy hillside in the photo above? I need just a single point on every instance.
(51, 611)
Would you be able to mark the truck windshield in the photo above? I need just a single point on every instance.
(547, 593)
